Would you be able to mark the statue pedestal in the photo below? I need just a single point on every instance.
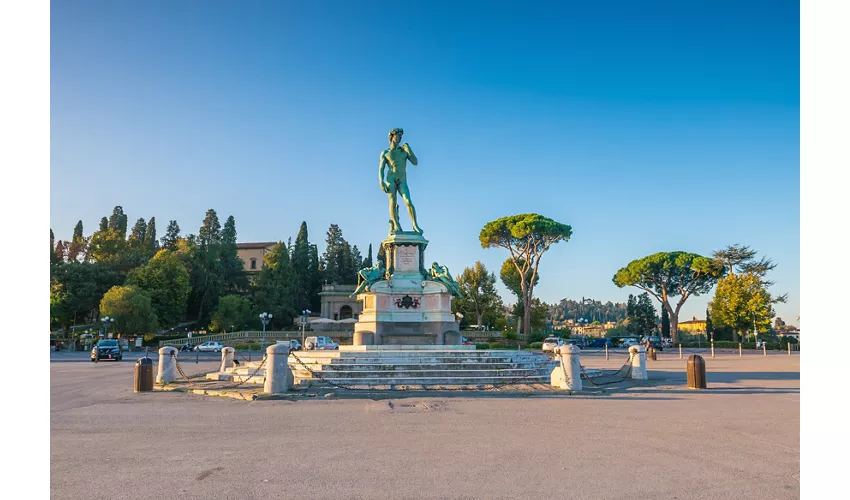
(408, 308)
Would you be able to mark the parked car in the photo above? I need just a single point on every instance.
(601, 344)
(629, 341)
(294, 345)
(466, 341)
(550, 343)
(667, 342)
(209, 347)
(654, 341)
(106, 349)
(320, 343)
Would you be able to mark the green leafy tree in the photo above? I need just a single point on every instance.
(150, 243)
(104, 224)
(172, 234)
(232, 312)
(641, 315)
(480, 298)
(333, 256)
(131, 308)
(527, 237)
(742, 302)
(671, 274)
(166, 280)
(275, 290)
(76, 290)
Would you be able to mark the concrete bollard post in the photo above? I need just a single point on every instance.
(606, 352)
(764, 348)
(567, 375)
(167, 370)
(680, 351)
(712, 348)
(227, 354)
(789, 348)
(740, 350)
(278, 375)
(638, 356)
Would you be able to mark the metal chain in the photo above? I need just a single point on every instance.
(490, 388)
(232, 386)
(625, 376)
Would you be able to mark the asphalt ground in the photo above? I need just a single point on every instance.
(738, 439)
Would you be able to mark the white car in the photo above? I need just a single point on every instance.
(550, 343)
(320, 344)
(209, 347)
(630, 342)
(294, 345)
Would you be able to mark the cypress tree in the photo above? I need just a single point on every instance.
(228, 234)
(150, 242)
(210, 231)
(104, 224)
(172, 234)
(367, 262)
(75, 248)
(53, 258)
(137, 236)
(301, 268)
(60, 252)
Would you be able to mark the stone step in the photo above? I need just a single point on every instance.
(419, 374)
(417, 359)
(388, 367)
(429, 381)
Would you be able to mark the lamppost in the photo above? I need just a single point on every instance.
(755, 332)
(266, 319)
(304, 315)
(107, 321)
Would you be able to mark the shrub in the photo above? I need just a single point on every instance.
(495, 345)
(536, 345)
(510, 335)
(482, 345)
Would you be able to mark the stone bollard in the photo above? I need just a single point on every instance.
(227, 354)
(638, 356)
(567, 375)
(278, 375)
(451, 338)
(167, 370)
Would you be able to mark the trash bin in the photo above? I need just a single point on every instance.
(696, 372)
(143, 380)
(651, 354)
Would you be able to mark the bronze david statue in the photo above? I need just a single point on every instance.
(394, 160)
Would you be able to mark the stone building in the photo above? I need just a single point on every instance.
(337, 305)
(252, 254)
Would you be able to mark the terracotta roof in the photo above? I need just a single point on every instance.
(265, 244)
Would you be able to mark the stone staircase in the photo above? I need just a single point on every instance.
(407, 366)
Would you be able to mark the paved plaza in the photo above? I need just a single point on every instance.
(739, 439)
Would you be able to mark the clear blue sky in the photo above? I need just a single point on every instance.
(646, 126)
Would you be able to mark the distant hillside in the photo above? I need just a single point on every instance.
(589, 309)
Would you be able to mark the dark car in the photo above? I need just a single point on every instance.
(106, 349)
(654, 342)
(600, 344)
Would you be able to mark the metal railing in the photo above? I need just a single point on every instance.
(270, 336)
